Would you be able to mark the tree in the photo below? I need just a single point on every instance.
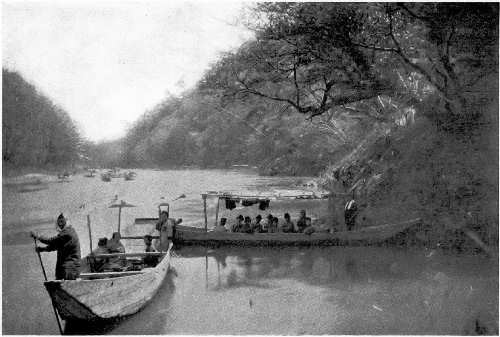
(327, 57)
(453, 46)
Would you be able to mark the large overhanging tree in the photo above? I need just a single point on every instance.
(320, 58)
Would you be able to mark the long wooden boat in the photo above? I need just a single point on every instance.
(200, 235)
(185, 235)
(108, 295)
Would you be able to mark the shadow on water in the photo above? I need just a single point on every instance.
(150, 311)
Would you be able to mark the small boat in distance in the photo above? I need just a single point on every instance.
(130, 175)
(90, 173)
(106, 177)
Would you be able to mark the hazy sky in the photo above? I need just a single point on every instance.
(107, 62)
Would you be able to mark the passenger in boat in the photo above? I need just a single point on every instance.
(98, 263)
(287, 226)
(274, 225)
(309, 229)
(267, 224)
(238, 226)
(68, 249)
(350, 213)
(257, 227)
(247, 225)
(149, 261)
(162, 220)
(221, 227)
(301, 222)
(167, 227)
(115, 246)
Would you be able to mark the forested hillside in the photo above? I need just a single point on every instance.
(36, 133)
(398, 102)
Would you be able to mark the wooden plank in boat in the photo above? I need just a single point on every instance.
(129, 254)
(139, 237)
(112, 274)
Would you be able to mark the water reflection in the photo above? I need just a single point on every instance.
(316, 266)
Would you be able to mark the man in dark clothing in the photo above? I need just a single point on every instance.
(350, 213)
(68, 250)
(149, 261)
(301, 222)
(287, 226)
(99, 263)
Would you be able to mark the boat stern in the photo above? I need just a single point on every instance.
(68, 307)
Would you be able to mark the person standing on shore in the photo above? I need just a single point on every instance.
(68, 249)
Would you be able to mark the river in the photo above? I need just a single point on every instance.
(332, 290)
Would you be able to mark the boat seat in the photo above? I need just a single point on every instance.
(109, 274)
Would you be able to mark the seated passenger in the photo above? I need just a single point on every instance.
(148, 244)
(267, 224)
(238, 226)
(115, 246)
(247, 225)
(287, 226)
(221, 227)
(149, 261)
(98, 263)
(274, 225)
(257, 226)
(309, 229)
(301, 222)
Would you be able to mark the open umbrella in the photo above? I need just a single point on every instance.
(120, 205)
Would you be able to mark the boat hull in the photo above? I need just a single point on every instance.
(366, 236)
(107, 298)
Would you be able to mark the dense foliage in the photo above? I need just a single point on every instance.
(399, 102)
(36, 132)
(347, 69)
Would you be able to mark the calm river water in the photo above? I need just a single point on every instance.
(333, 290)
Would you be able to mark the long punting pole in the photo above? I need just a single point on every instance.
(45, 277)
(217, 212)
(119, 215)
(205, 210)
(90, 232)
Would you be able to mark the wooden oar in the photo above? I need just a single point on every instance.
(45, 276)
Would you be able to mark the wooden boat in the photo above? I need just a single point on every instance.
(129, 175)
(106, 177)
(115, 173)
(197, 235)
(185, 235)
(108, 295)
(90, 173)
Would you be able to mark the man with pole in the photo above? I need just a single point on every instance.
(68, 250)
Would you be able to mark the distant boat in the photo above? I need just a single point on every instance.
(106, 177)
(130, 175)
(90, 173)
(64, 177)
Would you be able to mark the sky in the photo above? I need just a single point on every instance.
(108, 62)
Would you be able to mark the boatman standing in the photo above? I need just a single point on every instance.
(350, 213)
(68, 249)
